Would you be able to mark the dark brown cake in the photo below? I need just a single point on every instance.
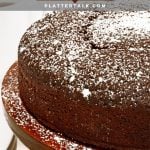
(86, 75)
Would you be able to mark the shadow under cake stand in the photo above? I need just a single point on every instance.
(25, 126)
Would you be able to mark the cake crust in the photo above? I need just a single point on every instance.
(86, 75)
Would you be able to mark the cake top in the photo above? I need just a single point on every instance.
(102, 55)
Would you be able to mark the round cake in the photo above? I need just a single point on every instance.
(87, 75)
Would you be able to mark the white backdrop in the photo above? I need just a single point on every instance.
(12, 26)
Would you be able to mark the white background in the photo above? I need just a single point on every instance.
(12, 27)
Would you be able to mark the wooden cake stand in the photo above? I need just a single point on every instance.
(26, 127)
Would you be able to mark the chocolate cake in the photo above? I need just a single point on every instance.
(86, 75)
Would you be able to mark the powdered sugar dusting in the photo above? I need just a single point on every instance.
(16, 110)
(99, 51)
(111, 29)
(86, 93)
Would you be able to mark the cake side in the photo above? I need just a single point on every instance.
(95, 126)
(86, 74)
